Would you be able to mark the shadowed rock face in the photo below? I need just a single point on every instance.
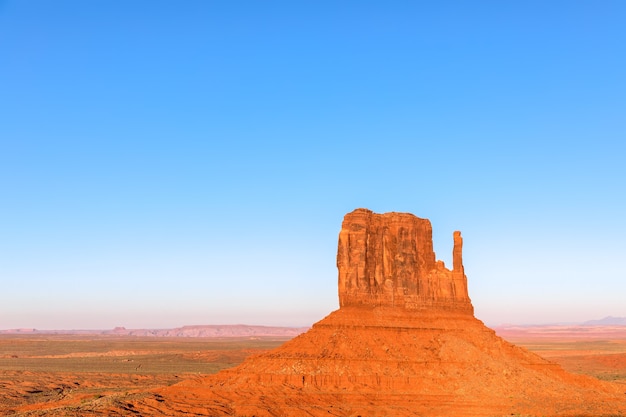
(388, 260)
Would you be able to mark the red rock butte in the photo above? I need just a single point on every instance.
(404, 342)
(388, 260)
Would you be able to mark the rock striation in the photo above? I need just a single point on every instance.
(404, 342)
(388, 260)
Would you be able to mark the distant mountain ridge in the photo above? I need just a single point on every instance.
(226, 330)
(608, 327)
(243, 330)
(607, 321)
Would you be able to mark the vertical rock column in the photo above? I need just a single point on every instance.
(457, 254)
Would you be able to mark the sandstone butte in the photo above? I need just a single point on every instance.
(404, 342)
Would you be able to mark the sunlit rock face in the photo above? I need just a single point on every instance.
(404, 342)
(388, 260)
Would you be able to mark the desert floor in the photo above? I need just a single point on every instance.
(600, 356)
(65, 375)
(62, 375)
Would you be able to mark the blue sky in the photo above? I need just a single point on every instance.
(170, 163)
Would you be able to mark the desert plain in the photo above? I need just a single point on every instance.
(76, 375)
(100, 375)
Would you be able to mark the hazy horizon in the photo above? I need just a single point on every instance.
(166, 164)
(28, 329)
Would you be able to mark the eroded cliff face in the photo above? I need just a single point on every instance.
(404, 343)
(388, 260)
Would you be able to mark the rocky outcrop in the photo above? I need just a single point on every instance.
(388, 260)
(404, 342)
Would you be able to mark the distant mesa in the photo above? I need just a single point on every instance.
(220, 331)
(212, 331)
(608, 327)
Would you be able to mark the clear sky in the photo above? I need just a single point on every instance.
(171, 163)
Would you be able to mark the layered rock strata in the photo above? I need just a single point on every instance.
(404, 342)
(388, 260)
